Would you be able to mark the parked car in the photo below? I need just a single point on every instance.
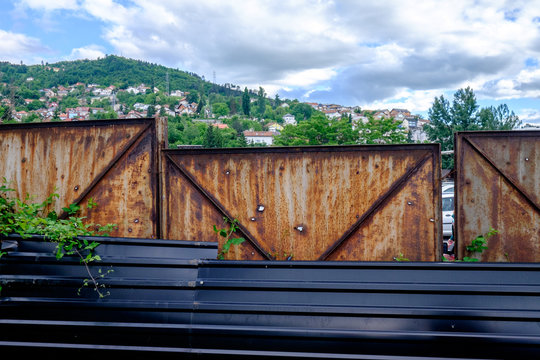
(448, 188)
(447, 213)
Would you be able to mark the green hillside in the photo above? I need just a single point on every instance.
(111, 70)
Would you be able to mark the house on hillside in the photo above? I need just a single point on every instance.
(19, 115)
(141, 107)
(379, 114)
(332, 114)
(289, 119)
(220, 126)
(415, 126)
(134, 115)
(259, 137)
(49, 93)
(275, 127)
(400, 114)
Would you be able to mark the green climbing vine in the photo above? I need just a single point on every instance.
(227, 233)
(27, 218)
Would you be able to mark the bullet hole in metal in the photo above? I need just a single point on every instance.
(130, 230)
(409, 203)
(253, 219)
(252, 253)
(23, 159)
(526, 159)
(432, 220)
(260, 208)
(136, 221)
(76, 187)
(227, 172)
(358, 216)
(300, 228)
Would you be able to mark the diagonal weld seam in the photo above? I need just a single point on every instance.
(109, 167)
(378, 204)
(218, 206)
(508, 178)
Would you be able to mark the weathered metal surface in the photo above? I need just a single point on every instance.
(498, 186)
(115, 162)
(165, 302)
(309, 203)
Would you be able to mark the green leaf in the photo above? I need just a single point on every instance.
(237, 241)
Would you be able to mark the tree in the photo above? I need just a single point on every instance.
(462, 115)
(246, 102)
(242, 141)
(151, 111)
(212, 138)
(277, 101)
(261, 102)
(5, 113)
(200, 105)
(33, 117)
(381, 131)
(301, 111)
(318, 131)
(220, 109)
(232, 106)
(498, 118)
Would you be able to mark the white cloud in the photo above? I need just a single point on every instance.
(529, 116)
(414, 101)
(90, 52)
(359, 52)
(19, 47)
(48, 5)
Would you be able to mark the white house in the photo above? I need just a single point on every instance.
(259, 137)
(289, 119)
(140, 107)
(132, 90)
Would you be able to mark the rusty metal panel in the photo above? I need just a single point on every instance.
(112, 161)
(498, 186)
(308, 203)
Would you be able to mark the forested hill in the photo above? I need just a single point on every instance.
(111, 70)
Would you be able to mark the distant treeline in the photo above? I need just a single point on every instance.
(110, 70)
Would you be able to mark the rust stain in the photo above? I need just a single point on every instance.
(309, 198)
(84, 160)
(497, 187)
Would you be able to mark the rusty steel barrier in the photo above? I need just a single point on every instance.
(498, 186)
(115, 162)
(368, 203)
(165, 302)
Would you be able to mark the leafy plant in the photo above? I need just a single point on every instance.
(479, 244)
(26, 218)
(227, 233)
(400, 257)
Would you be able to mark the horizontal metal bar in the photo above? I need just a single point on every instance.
(302, 149)
(70, 124)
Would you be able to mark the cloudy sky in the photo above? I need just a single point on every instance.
(375, 54)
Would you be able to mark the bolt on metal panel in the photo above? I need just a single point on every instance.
(112, 161)
(498, 187)
(308, 203)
